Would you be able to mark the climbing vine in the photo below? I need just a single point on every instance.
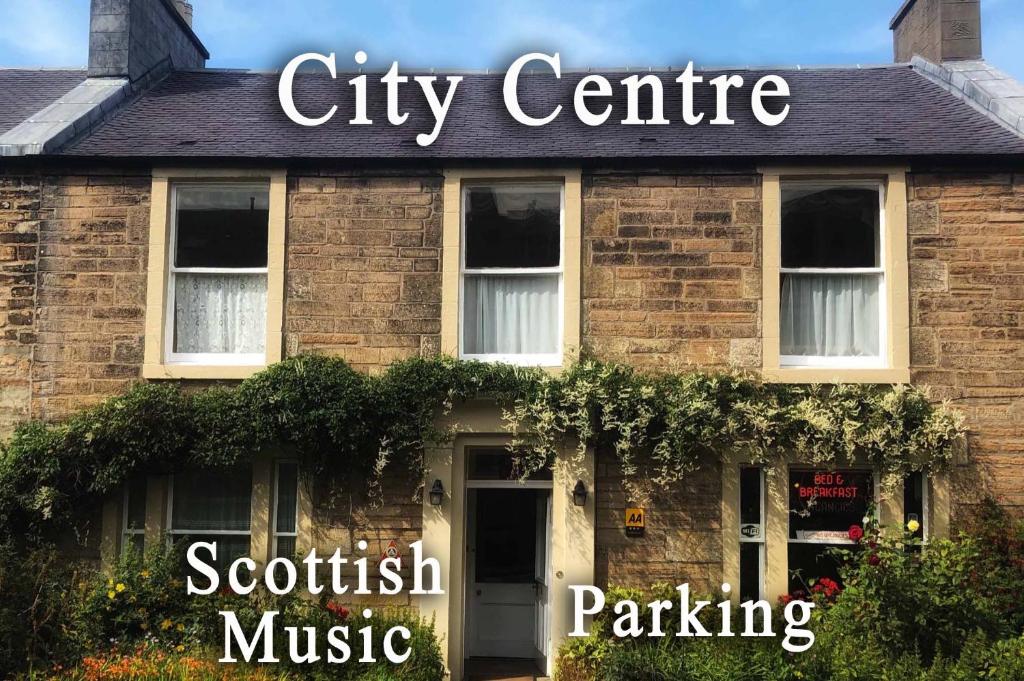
(344, 424)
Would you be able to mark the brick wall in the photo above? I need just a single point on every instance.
(671, 269)
(967, 316)
(20, 213)
(363, 269)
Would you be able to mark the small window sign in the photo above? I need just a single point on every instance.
(635, 522)
(750, 531)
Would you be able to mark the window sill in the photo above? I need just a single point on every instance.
(834, 375)
(200, 371)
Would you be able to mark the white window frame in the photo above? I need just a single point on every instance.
(879, 361)
(875, 503)
(207, 358)
(760, 540)
(534, 359)
(128, 532)
(277, 497)
(173, 532)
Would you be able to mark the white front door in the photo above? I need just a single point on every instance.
(507, 605)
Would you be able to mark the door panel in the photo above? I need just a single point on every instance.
(507, 550)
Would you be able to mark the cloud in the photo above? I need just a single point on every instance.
(44, 33)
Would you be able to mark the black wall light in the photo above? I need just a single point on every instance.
(579, 494)
(436, 493)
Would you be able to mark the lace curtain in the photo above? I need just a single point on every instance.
(510, 314)
(220, 313)
(829, 315)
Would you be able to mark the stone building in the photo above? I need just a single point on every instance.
(161, 221)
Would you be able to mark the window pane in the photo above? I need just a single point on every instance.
(498, 464)
(287, 496)
(219, 500)
(285, 547)
(135, 513)
(823, 505)
(835, 227)
(513, 226)
(750, 571)
(811, 562)
(829, 315)
(515, 314)
(221, 226)
(506, 541)
(229, 549)
(750, 496)
(913, 502)
(220, 313)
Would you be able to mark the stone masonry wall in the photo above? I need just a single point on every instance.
(20, 213)
(683, 535)
(967, 317)
(364, 267)
(91, 302)
(671, 269)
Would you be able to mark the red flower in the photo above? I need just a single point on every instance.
(855, 533)
(873, 559)
(785, 599)
(337, 609)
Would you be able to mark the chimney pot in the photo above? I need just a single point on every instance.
(938, 30)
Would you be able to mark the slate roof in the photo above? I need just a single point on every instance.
(24, 92)
(886, 111)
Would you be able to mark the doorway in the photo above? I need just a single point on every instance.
(508, 565)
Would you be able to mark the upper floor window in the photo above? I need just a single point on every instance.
(835, 283)
(217, 279)
(512, 272)
(832, 275)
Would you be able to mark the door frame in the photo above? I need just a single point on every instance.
(480, 423)
(547, 485)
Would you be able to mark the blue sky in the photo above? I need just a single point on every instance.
(264, 34)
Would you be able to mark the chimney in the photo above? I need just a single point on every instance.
(131, 38)
(938, 30)
(185, 10)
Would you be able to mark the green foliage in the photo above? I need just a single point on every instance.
(63, 616)
(906, 612)
(37, 621)
(345, 426)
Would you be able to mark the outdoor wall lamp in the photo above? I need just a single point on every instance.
(436, 493)
(579, 494)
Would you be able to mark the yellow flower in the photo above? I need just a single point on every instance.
(180, 627)
(120, 587)
(166, 624)
(144, 573)
(179, 647)
(110, 595)
(110, 582)
(144, 626)
(913, 526)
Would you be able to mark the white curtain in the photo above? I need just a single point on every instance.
(220, 313)
(833, 315)
(510, 314)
